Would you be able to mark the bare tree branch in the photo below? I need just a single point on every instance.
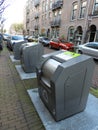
(3, 5)
(1, 2)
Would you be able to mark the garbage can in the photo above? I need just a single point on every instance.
(64, 79)
(31, 54)
(16, 49)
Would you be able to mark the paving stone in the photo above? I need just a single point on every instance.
(16, 109)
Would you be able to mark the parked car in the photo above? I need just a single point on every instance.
(1, 42)
(90, 48)
(6, 36)
(32, 39)
(61, 44)
(13, 40)
(44, 40)
(26, 37)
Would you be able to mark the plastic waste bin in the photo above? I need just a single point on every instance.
(31, 54)
(64, 79)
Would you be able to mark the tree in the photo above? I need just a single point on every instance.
(16, 28)
(3, 5)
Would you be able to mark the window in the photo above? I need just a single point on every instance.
(45, 16)
(55, 13)
(59, 12)
(71, 34)
(17, 38)
(50, 16)
(50, 6)
(43, 6)
(74, 11)
(83, 9)
(46, 5)
(43, 20)
(57, 32)
(92, 45)
(37, 20)
(95, 12)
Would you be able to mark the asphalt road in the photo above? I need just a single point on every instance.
(48, 50)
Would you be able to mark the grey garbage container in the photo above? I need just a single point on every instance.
(16, 49)
(64, 79)
(31, 54)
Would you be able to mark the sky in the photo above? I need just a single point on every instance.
(14, 13)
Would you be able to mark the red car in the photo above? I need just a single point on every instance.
(61, 44)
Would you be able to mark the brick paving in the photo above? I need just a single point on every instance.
(16, 109)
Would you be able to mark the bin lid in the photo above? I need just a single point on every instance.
(67, 55)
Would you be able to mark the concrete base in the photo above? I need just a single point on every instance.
(86, 120)
(24, 75)
(12, 59)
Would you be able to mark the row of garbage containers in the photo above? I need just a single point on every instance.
(64, 77)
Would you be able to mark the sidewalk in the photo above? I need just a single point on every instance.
(16, 109)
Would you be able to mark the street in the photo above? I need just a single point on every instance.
(48, 50)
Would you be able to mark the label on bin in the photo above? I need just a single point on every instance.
(67, 55)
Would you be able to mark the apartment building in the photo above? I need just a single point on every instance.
(74, 20)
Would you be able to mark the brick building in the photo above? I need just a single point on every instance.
(75, 20)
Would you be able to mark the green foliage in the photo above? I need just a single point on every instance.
(63, 37)
(3, 5)
(4, 31)
(17, 27)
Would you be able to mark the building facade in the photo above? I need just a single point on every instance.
(74, 20)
